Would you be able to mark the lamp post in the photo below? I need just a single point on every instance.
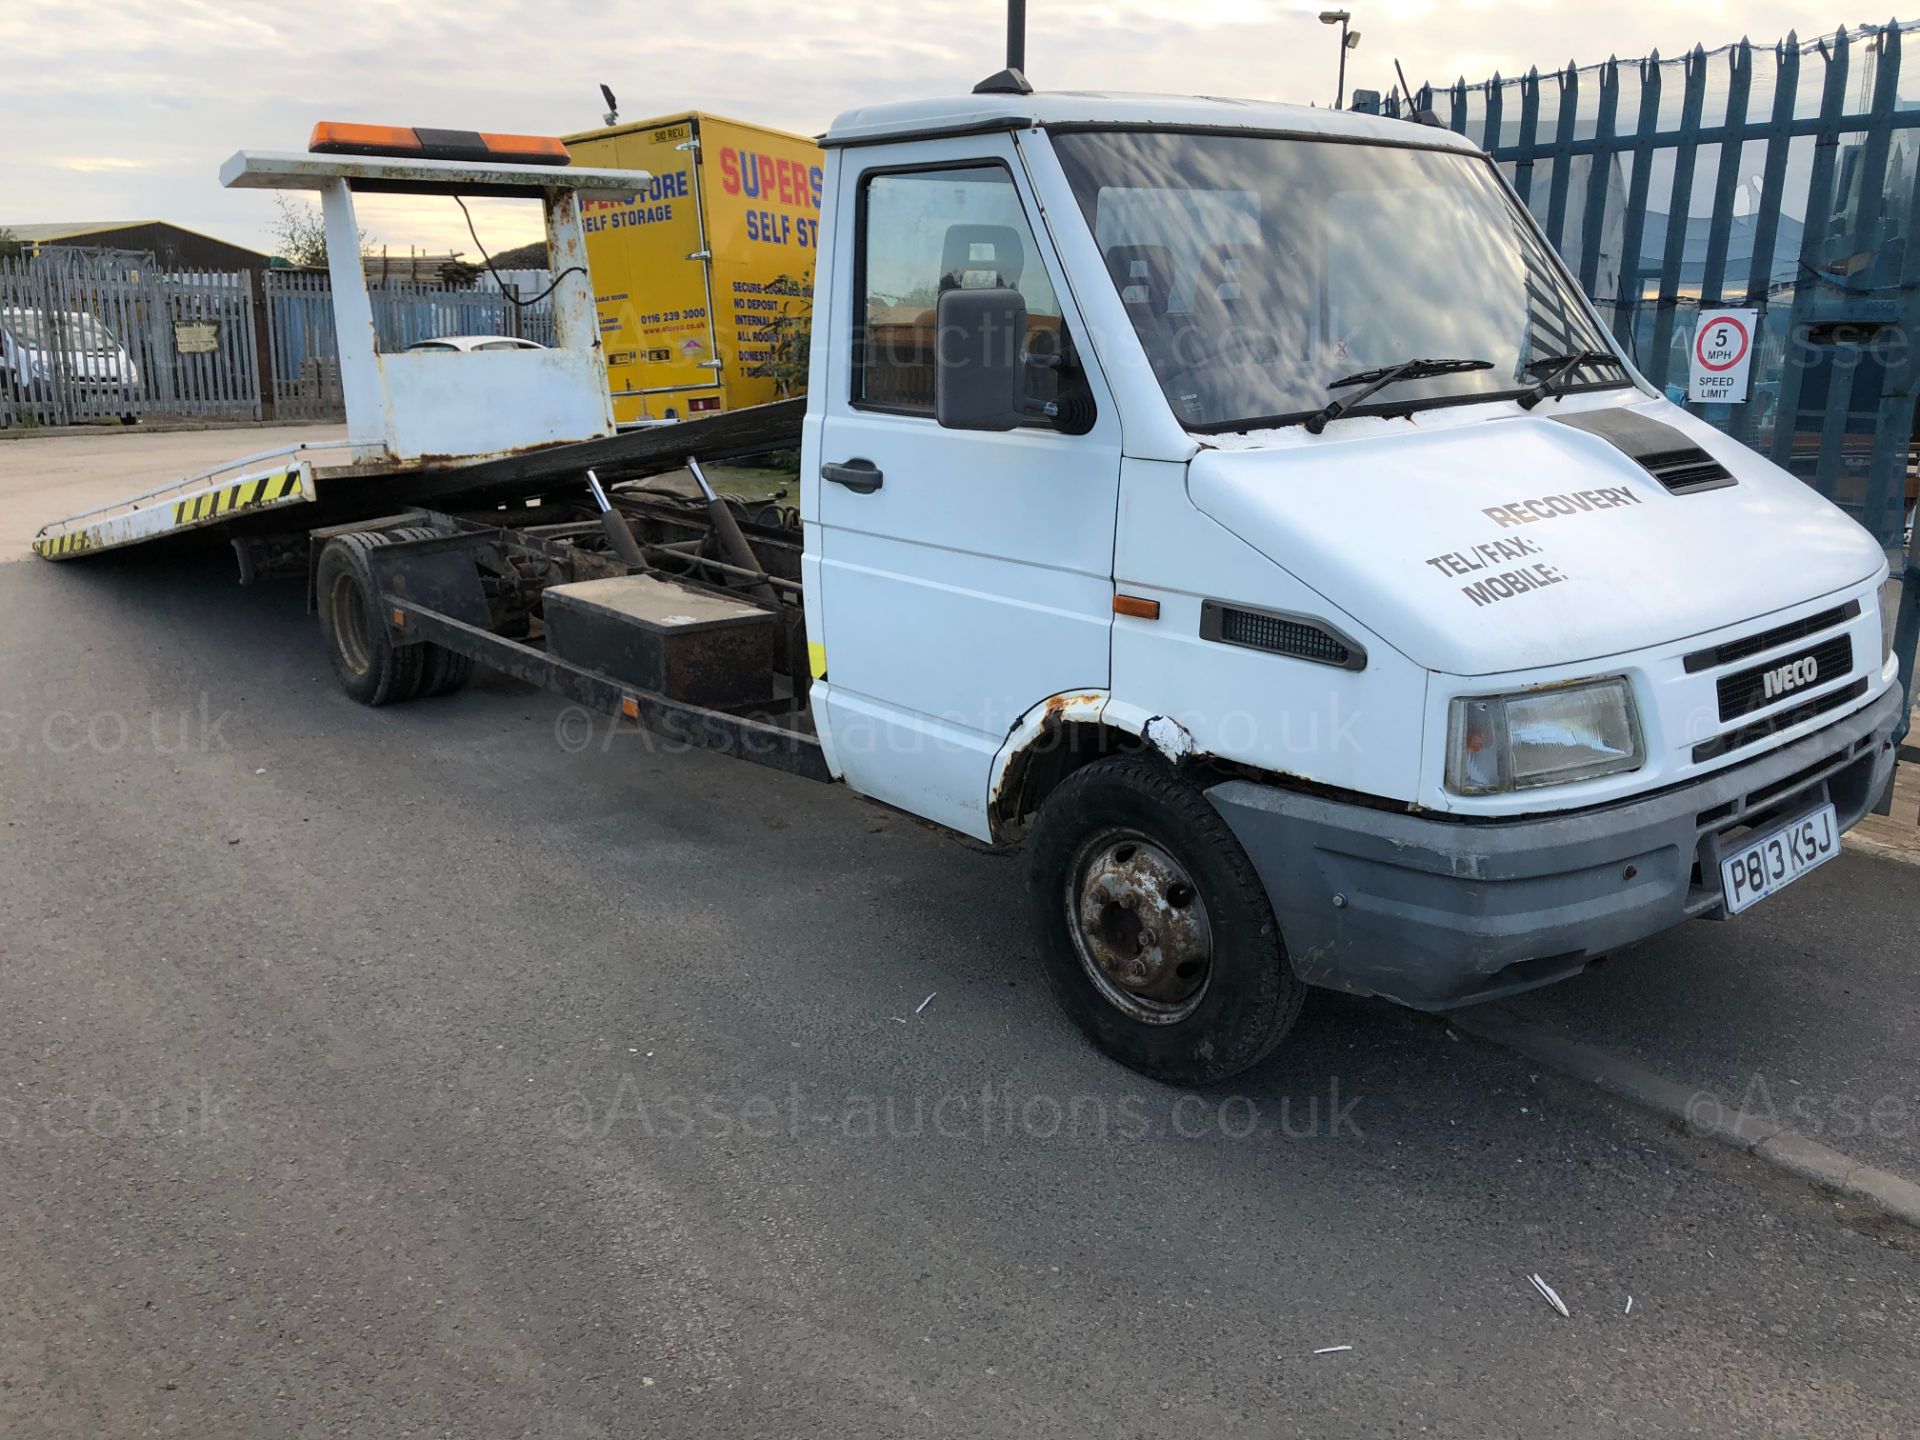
(1348, 41)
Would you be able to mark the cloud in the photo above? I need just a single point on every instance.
(125, 108)
(97, 164)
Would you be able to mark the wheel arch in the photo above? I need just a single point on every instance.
(1063, 733)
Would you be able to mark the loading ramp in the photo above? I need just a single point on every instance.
(300, 488)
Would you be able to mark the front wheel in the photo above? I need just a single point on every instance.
(1156, 934)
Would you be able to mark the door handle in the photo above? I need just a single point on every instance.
(861, 476)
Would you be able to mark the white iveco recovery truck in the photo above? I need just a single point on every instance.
(1239, 506)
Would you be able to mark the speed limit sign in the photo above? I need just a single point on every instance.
(1722, 355)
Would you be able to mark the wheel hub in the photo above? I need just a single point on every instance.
(1140, 927)
(348, 612)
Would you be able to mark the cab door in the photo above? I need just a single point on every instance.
(964, 577)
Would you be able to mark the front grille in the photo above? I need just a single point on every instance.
(1780, 720)
(1745, 691)
(1737, 650)
(1766, 794)
(1300, 636)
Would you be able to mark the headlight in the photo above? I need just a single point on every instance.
(1542, 737)
(1890, 597)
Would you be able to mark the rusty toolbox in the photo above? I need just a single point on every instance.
(689, 644)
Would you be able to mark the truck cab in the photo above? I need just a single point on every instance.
(1241, 505)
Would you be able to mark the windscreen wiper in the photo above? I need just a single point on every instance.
(1559, 367)
(1372, 380)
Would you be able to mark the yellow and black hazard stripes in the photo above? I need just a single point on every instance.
(254, 490)
(58, 547)
(151, 516)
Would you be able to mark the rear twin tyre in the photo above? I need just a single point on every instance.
(1155, 932)
(371, 668)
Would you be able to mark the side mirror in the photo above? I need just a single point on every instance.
(980, 366)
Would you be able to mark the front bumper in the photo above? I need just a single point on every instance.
(1438, 913)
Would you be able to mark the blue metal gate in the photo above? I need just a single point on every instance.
(1778, 178)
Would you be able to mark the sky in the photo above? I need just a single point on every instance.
(124, 109)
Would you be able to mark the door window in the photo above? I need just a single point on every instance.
(926, 231)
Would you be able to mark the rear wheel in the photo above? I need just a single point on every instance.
(446, 672)
(371, 668)
(442, 671)
(1155, 932)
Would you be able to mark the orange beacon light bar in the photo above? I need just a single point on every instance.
(332, 137)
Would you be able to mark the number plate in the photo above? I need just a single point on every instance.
(1773, 861)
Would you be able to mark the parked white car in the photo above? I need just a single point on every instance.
(73, 350)
(470, 344)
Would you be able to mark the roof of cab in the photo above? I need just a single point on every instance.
(969, 114)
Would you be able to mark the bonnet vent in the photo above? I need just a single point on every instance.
(1659, 449)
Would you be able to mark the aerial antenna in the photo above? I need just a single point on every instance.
(1013, 79)
(1414, 112)
(612, 117)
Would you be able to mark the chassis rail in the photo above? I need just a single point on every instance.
(690, 725)
(429, 590)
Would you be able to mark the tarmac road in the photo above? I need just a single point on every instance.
(1806, 1010)
(464, 1069)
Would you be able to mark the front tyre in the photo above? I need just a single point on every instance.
(1155, 933)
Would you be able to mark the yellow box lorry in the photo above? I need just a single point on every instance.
(694, 276)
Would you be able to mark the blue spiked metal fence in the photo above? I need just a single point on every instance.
(1779, 178)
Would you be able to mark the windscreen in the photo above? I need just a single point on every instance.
(1258, 270)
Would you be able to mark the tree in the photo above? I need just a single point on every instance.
(10, 246)
(791, 348)
(300, 233)
(457, 274)
(531, 256)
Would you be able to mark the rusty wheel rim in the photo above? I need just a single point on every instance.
(347, 609)
(1139, 926)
